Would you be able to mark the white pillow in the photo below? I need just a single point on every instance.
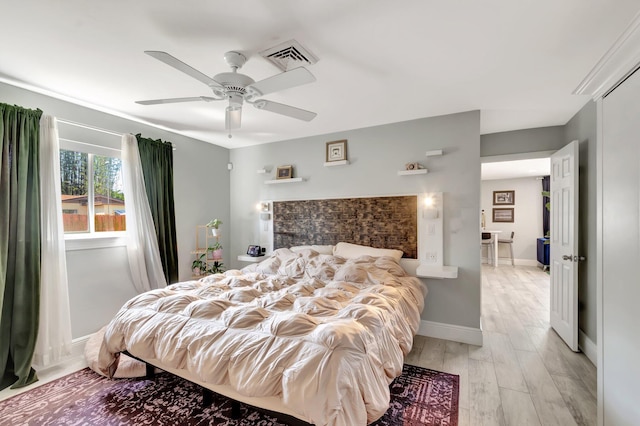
(320, 249)
(351, 251)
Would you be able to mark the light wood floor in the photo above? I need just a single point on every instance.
(524, 374)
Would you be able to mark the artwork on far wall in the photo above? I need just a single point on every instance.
(337, 151)
(284, 172)
(504, 198)
(503, 214)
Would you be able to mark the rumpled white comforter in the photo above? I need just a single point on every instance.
(325, 334)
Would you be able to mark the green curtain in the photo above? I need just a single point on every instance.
(157, 167)
(19, 243)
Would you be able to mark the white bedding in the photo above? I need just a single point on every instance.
(324, 334)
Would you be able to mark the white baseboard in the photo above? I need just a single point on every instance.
(77, 345)
(77, 353)
(517, 262)
(587, 346)
(455, 333)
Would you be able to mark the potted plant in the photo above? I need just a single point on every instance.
(216, 251)
(216, 268)
(214, 224)
(199, 266)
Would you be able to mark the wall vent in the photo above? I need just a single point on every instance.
(289, 55)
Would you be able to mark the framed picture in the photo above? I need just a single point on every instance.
(505, 198)
(284, 172)
(336, 151)
(503, 214)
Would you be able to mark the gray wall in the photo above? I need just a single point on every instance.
(583, 128)
(520, 141)
(376, 154)
(99, 279)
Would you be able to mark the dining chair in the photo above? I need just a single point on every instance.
(510, 242)
(487, 240)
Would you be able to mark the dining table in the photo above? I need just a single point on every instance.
(494, 236)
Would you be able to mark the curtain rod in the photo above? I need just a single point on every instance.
(91, 144)
(86, 126)
(97, 129)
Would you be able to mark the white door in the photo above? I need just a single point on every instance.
(564, 244)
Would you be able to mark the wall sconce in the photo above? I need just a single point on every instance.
(430, 208)
(264, 209)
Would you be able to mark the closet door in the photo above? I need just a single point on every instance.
(621, 254)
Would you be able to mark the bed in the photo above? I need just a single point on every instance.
(312, 335)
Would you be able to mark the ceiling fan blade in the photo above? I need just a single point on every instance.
(176, 100)
(285, 80)
(283, 109)
(232, 118)
(181, 66)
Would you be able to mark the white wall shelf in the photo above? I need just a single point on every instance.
(261, 171)
(413, 172)
(253, 259)
(434, 153)
(277, 181)
(336, 163)
(436, 271)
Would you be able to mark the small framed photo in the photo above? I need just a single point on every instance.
(505, 198)
(503, 214)
(337, 151)
(284, 172)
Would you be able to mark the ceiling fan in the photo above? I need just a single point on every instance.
(238, 88)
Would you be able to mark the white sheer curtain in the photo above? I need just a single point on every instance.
(142, 243)
(54, 329)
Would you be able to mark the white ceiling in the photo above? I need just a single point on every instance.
(379, 61)
(535, 167)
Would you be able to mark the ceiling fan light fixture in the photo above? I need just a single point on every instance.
(232, 117)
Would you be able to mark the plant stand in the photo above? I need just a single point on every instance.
(205, 239)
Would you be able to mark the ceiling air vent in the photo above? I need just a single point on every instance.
(289, 55)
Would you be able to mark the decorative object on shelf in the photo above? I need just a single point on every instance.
(199, 266)
(215, 251)
(483, 220)
(216, 268)
(412, 166)
(337, 151)
(255, 251)
(504, 198)
(503, 214)
(284, 172)
(214, 224)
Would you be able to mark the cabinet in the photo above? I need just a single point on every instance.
(207, 256)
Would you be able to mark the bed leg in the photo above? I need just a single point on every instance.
(235, 410)
(207, 397)
(150, 371)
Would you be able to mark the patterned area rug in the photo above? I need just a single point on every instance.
(418, 397)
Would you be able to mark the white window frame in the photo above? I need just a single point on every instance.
(92, 240)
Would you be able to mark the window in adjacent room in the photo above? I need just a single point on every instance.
(91, 189)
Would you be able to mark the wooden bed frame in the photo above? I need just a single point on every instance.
(207, 396)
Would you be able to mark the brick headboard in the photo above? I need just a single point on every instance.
(383, 222)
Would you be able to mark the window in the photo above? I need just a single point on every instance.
(91, 189)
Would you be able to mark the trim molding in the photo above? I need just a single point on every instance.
(587, 346)
(455, 333)
(77, 352)
(507, 261)
(615, 65)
